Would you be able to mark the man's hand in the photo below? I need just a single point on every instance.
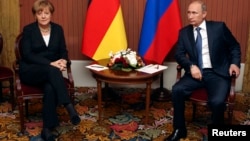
(196, 72)
(235, 68)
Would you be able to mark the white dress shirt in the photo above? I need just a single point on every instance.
(205, 50)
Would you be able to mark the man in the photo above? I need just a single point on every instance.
(220, 55)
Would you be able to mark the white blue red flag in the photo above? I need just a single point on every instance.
(160, 29)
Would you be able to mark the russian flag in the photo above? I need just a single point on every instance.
(160, 29)
(104, 29)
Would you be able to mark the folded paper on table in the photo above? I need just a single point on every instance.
(152, 68)
(96, 67)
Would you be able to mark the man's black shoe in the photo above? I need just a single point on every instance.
(47, 135)
(176, 135)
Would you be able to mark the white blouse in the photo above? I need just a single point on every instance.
(46, 39)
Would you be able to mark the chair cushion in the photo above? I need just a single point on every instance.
(27, 90)
(199, 95)
(5, 73)
(33, 90)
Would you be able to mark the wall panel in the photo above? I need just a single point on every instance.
(9, 27)
(71, 15)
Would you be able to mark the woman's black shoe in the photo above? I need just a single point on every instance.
(75, 120)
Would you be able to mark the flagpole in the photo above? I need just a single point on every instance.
(161, 93)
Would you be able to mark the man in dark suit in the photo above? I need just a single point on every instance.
(220, 55)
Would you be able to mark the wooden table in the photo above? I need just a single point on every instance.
(121, 77)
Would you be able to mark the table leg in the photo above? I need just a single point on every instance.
(99, 99)
(148, 91)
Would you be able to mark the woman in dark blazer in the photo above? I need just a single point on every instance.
(44, 57)
(220, 56)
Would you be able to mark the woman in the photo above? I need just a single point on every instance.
(45, 56)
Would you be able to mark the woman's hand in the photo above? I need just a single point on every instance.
(60, 64)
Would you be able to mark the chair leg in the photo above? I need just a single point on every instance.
(12, 95)
(11, 85)
(1, 92)
(26, 108)
(20, 107)
(230, 113)
(194, 112)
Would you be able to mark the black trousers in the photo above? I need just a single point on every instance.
(51, 80)
(217, 86)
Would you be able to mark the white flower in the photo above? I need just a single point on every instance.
(130, 57)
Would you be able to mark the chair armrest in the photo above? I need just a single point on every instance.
(15, 66)
(231, 97)
(69, 74)
(17, 78)
(178, 68)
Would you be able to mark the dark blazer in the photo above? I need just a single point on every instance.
(34, 49)
(224, 49)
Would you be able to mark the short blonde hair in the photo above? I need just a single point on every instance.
(39, 5)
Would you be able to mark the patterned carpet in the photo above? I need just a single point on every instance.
(123, 118)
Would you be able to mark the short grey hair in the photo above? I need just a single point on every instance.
(203, 5)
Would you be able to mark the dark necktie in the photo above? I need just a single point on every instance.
(198, 45)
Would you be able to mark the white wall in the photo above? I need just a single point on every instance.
(83, 78)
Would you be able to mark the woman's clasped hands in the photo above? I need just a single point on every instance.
(60, 64)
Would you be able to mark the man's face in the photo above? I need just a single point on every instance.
(195, 14)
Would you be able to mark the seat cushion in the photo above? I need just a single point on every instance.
(6, 73)
(199, 95)
(33, 90)
(27, 90)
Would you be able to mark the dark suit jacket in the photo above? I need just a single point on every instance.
(34, 49)
(224, 49)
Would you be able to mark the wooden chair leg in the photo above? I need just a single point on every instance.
(27, 108)
(194, 112)
(20, 107)
(1, 92)
(11, 85)
(230, 113)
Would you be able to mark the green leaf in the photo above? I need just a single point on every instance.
(127, 69)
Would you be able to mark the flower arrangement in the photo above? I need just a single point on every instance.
(125, 60)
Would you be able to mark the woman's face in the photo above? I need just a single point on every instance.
(44, 16)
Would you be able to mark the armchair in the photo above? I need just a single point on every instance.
(199, 96)
(24, 92)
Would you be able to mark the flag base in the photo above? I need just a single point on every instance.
(161, 94)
